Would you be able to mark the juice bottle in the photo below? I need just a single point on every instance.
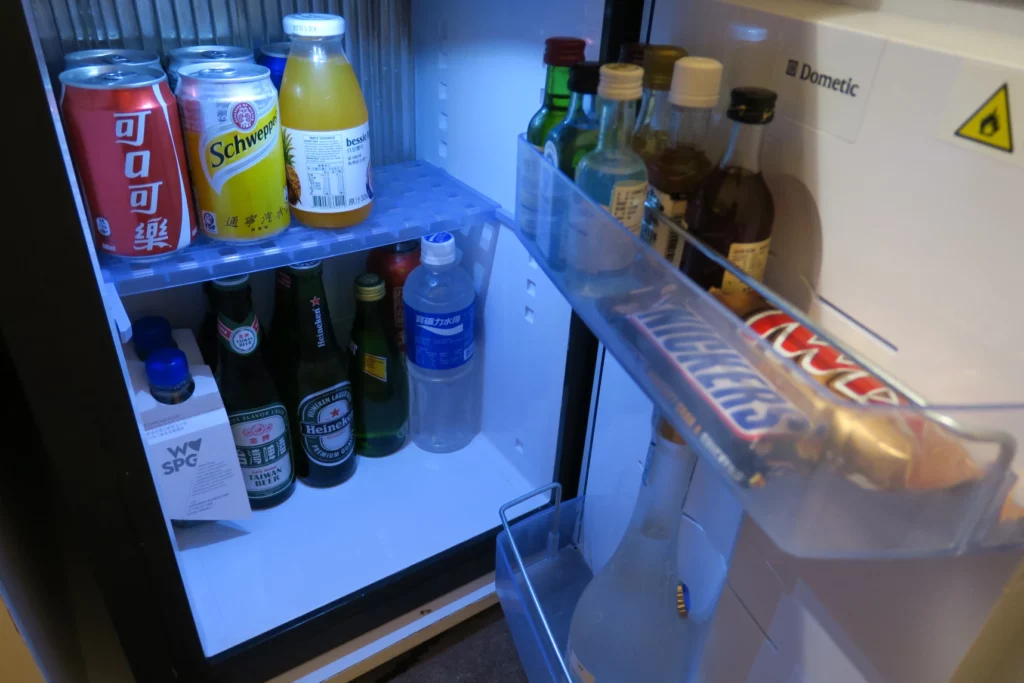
(325, 125)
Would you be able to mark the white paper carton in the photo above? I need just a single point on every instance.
(190, 447)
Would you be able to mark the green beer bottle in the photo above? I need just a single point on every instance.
(259, 421)
(319, 393)
(283, 351)
(559, 54)
(380, 387)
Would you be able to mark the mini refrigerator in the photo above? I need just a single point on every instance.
(896, 242)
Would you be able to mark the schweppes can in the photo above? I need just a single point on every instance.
(234, 147)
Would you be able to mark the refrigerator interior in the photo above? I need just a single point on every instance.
(248, 577)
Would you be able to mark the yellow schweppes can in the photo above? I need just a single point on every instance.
(234, 147)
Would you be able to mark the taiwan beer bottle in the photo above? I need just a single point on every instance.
(319, 395)
(380, 385)
(630, 623)
(677, 160)
(734, 212)
(259, 421)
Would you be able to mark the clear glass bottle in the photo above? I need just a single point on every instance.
(677, 162)
(628, 625)
(613, 175)
(734, 211)
(652, 121)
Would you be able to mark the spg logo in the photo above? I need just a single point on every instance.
(185, 455)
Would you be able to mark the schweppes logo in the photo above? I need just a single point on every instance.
(240, 144)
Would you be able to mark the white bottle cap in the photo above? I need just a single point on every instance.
(696, 82)
(314, 25)
(621, 82)
(438, 250)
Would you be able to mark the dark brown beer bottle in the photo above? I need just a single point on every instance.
(734, 211)
(259, 421)
(319, 395)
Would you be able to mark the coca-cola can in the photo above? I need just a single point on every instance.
(394, 263)
(125, 136)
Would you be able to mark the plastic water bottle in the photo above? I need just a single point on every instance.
(439, 301)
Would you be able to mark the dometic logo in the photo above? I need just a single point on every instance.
(181, 457)
(352, 142)
(806, 72)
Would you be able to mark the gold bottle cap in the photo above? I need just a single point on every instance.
(369, 287)
(659, 60)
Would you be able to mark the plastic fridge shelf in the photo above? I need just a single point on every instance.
(823, 476)
(412, 200)
(540, 574)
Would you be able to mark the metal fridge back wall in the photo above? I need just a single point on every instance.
(377, 42)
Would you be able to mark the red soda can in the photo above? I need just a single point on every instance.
(394, 263)
(125, 136)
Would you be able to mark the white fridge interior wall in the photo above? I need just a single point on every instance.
(323, 544)
(902, 240)
(480, 77)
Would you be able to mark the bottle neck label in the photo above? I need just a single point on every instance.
(325, 425)
(264, 454)
(241, 338)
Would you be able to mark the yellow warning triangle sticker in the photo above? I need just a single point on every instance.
(990, 124)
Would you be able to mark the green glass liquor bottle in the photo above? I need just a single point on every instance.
(678, 163)
(571, 139)
(559, 54)
(259, 421)
(652, 121)
(319, 395)
(380, 386)
(734, 211)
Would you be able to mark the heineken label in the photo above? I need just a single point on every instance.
(261, 440)
(242, 338)
(325, 425)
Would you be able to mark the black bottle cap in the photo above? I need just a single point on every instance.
(752, 105)
(632, 53)
(584, 77)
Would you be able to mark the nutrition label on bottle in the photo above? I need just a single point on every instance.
(627, 204)
(328, 171)
(751, 258)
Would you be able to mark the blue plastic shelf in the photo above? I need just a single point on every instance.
(412, 200)
(796, 455)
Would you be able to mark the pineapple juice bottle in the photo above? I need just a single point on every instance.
(325, 126)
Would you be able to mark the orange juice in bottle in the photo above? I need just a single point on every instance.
(325, 126)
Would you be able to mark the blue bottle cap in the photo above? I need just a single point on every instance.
(166, 368)
(151, 333)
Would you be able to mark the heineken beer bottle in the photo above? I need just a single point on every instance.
(319, 393)
(259, 421)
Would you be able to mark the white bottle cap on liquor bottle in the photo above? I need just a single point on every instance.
(438, 250)
(314, 25)
(621, 82)
(696, 82)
